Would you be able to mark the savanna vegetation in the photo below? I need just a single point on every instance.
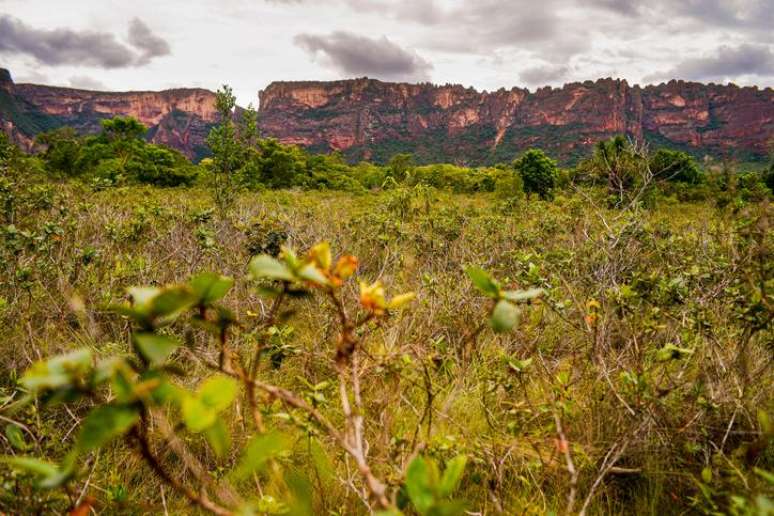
(275, 332)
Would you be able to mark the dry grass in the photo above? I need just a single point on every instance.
(638, 431)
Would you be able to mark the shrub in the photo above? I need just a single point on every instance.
(538, 173)
(676, 166)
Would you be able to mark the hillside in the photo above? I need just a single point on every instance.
(179, 118)
(371, 119)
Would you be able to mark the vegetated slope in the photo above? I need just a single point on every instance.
(637, 348)
(367, 118)
(370, 119)
(179, 118)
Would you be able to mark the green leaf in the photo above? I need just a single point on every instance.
(520, 296)
(419, 484)
(214, 395)
(172, 300)
(104, 424)
(765, 475)
(58, 371)
(264, 266)
(259, 451)
(519, 366)
(483, 281)
(210, 287)
(300, 500)
(310, 272)
(504, 316)
(218, 392)
(765, 422)
(672, 352)
(218, 437)
(155, 348)
(452, 475)
(106, 369)
(196, 415)
(16, 437)
(142, 298)
(447, 508)
(32, 465)
(706, 475)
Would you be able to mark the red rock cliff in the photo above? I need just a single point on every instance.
(369, 118)
(179, 118)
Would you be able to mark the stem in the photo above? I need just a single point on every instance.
(197, 499)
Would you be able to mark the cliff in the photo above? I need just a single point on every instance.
(370, 119)
(179, 118)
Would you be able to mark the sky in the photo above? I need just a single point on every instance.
(486, 44)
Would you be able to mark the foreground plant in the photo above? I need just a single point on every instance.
(141, 398)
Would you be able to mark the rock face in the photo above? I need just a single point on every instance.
(370, 119)
(179, 118)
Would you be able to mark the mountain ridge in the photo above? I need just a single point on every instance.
(371, 119)
(179, 117)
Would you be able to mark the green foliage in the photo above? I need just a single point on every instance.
(675, 166)
(225, 148)
(400, 166)
(63, 151)
(618, 164)
(430, 491)
(281, 382)
(116, 156)
(122, 129)
(538, 173)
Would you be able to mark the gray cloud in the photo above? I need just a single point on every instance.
(142, 38)
(63, 46)
(84, 82)
(69, 47)
(542, 75)
(726, 13)
(357, 55)
(426, 12)
(625, 7)
(726, 63)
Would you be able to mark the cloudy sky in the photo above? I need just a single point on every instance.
(487, 44)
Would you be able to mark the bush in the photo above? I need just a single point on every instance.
(675, 166)
(538, 173)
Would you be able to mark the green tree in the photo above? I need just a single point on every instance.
(676, 166)
(225, 148)
(281, 165)
(63, 151)
(6, 148)
(248, 128)
(400, 165)
(538, 173)
(123, 128)
(619, 163)
(769, 176)
(161, 166)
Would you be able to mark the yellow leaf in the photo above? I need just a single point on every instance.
(401, 300)
(345, 267)
(320, 254)
(372, 296)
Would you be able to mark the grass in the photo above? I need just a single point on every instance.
(621, 286)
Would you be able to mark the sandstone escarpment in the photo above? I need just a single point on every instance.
(179, 118)
(367, 118)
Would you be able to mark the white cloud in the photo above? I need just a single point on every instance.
(487, 44)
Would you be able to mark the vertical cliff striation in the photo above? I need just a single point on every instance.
(179, 118)
(367, 118)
